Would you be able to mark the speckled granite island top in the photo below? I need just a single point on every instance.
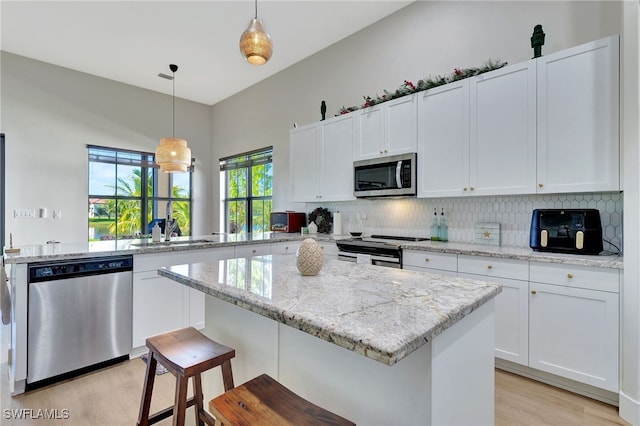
(381, 313)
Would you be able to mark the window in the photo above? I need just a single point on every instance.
(127, 191)
(247, 182)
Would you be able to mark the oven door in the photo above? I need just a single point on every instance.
(390, 262)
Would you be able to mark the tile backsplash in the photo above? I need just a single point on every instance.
(413, 216)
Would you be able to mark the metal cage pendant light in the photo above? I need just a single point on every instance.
(173, 154)
(255, 42)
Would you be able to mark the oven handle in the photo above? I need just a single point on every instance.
(353, 257)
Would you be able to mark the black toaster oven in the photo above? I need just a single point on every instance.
(566, 231)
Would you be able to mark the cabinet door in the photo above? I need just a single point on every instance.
(573, 333)
(336, 157)
(401, 125)
(443, 140)
(304, 166)
(511, 319)
(503, 131)
(370, 133)
(578, 114)
(157, 306)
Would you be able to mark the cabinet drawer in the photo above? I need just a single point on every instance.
(425, 259)
(602, 279)
(252, 250)
(285, 248)
(492, 267)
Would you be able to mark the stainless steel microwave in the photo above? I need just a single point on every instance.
(393, 176)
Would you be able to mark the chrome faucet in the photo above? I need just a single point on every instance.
(170, 224)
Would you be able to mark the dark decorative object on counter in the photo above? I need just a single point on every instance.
(323, 110)
(322, 218)
(537, 41)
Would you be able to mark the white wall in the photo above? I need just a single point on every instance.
(50, 114)
(630, 295)
(426, 38)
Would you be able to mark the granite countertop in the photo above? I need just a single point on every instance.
(65, 251)
(381, 313)
(521, 253)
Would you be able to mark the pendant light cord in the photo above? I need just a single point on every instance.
(174, 103)
(256, 1)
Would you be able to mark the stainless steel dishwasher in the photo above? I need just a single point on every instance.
(79, 315)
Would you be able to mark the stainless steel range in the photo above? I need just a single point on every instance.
(383, 250)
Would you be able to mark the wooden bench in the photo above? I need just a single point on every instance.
(264, 401)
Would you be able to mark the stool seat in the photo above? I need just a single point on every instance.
(264, 401)
(185, 353)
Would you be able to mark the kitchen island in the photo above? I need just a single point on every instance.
(375, 345)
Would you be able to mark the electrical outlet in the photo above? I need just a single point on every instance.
(24, 213)
(57, 214)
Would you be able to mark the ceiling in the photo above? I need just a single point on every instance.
(132, 41)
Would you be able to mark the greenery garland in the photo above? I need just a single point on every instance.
(408, 87)
(322, 218)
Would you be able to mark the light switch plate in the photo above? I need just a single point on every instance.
(24, 213)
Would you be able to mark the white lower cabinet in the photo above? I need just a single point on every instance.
(511, 305)
(574, 323)
(248, 250)
(436, 263)
(157, 306)
(285, 248)
(160, 304)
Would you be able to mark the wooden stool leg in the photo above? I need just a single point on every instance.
(145, 404)
(227, 375)
(197, 395)
(180, 401)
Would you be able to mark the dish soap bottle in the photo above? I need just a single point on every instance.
(435, 233)
(155, 233)
(443, 229)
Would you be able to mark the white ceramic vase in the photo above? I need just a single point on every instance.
(309, 257)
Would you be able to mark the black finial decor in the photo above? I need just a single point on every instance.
(323, 110)
(537, 41)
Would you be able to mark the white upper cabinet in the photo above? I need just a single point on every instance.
(502, 157)
(443, 140)
(578, 114)
(389, 128)
(477, 136)
(322, 160)
(336, 154)
(304, 166)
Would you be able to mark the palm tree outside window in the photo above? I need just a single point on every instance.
(247, 182)
(127, 191)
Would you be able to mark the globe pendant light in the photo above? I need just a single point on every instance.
(173, 154)
(255, 42)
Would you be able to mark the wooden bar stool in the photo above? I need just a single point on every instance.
(264, 401)
(185, 353)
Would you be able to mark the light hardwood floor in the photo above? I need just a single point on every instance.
(111, 397)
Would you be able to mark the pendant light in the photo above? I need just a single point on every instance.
(255, 42)
(173, 154)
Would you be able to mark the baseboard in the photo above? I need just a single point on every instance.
(589, 391)
(138, 352)
(629, 409)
